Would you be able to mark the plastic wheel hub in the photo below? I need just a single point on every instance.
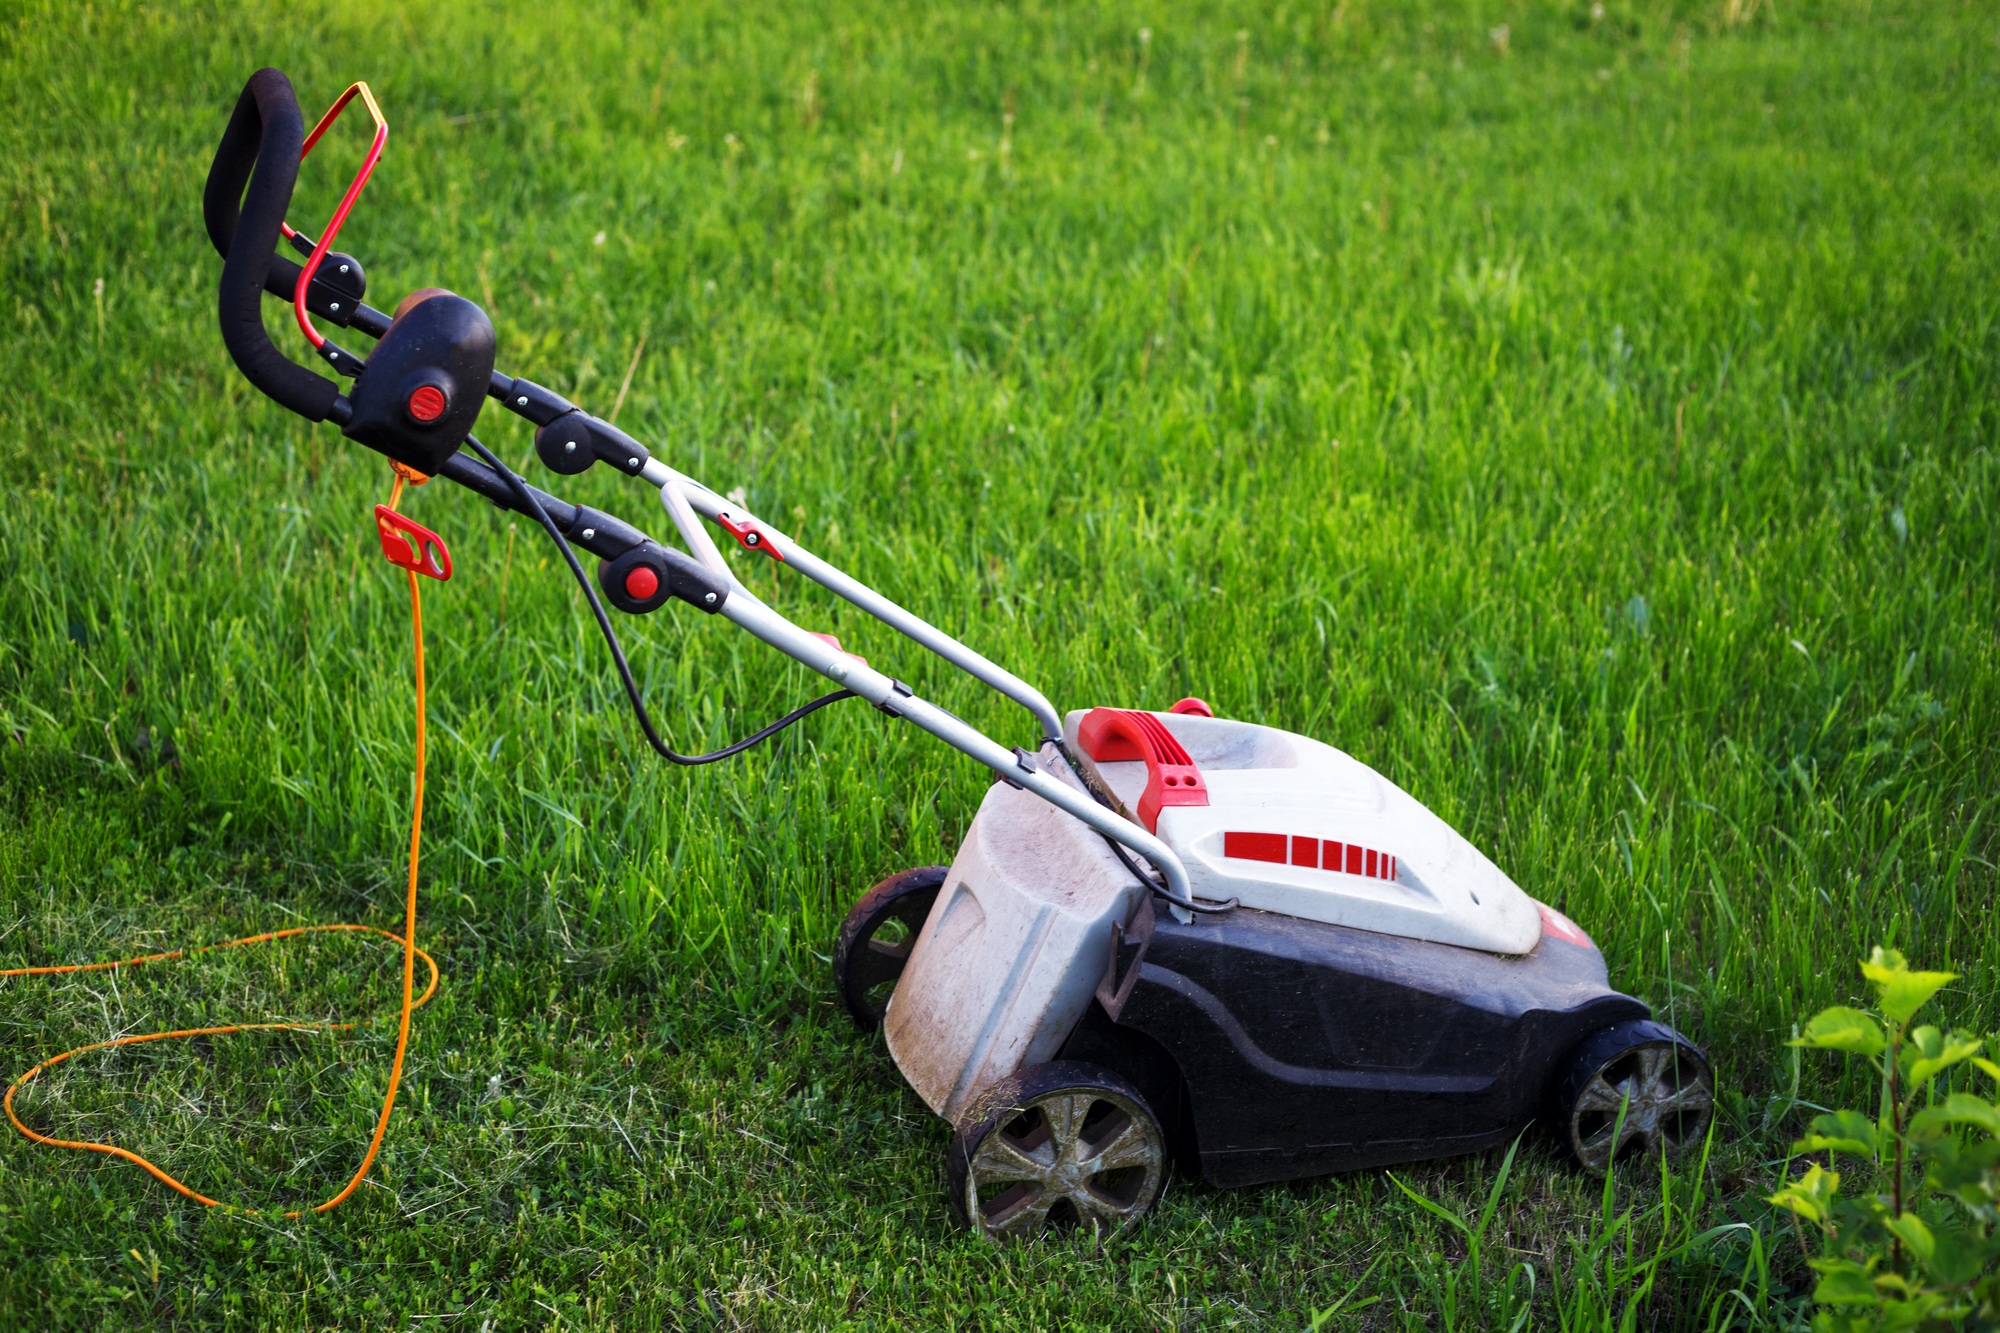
(1054, 1148)
(876, 939)
(1636, 1088)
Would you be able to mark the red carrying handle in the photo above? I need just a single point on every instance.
(1109, 735)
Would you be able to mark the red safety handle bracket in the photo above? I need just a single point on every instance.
(412, 546)
(1109, 735)
(750, 534)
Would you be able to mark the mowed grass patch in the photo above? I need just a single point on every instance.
(1587, 419)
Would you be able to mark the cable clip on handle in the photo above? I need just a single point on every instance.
(750, 535)
(412, 546)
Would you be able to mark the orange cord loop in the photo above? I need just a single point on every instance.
(410, 955)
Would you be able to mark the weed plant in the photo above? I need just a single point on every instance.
(1583, 413)
(1918, 1250)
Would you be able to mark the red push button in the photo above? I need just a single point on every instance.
(641, 583)
(427, 404)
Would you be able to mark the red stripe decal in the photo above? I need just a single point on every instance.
(1310, 853)
(1255, 846)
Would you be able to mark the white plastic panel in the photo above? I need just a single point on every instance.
(1264, 781)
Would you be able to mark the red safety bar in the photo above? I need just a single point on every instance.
(1109, 735)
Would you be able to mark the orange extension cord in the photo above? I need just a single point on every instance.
(410, 955)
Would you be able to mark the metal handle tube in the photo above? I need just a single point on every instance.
(673, 494)
(860, 594)
(843, 668)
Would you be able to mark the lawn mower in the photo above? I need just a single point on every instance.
(1167, 937)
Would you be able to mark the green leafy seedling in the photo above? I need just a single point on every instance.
(1918, 1250)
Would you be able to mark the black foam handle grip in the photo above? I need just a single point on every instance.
(260, 148)
(222, 199)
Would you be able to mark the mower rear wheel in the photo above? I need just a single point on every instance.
(1054, 1148)
(876, 939)
(1637, 1088)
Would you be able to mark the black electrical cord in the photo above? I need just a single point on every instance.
(534, 508)
(1118, 849)
(1191, 904)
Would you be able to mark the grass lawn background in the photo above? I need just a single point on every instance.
(1585, 415)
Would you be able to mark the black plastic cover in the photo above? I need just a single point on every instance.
(1307, 1048)
(443, 341)
(337, 288)
(617, 448)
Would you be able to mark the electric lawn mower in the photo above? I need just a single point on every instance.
(1166, 937)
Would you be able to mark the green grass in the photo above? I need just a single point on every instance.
(1594, 431)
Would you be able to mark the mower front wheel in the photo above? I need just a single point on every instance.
(876, 939)
(1059, 1147)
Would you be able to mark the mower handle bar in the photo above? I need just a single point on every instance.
(260, 148)
(249, 187)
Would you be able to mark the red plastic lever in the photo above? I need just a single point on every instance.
(412, 546)
(750, 535)
(1109, 735)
